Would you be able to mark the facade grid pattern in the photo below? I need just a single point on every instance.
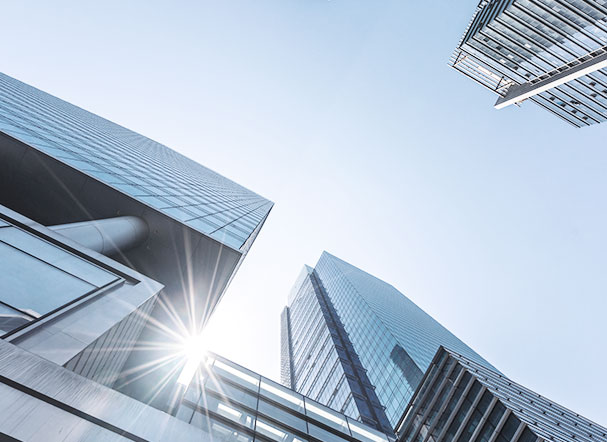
(323, 364)
(132, 164)
(521, 42)
(394, 339)
(230, 403)
(463, 401)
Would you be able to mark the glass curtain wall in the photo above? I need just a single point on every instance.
(231, 403)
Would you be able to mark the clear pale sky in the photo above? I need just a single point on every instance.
(346, 115)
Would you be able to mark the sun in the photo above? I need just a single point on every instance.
(194, 350)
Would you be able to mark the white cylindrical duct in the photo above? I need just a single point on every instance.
(107, 236)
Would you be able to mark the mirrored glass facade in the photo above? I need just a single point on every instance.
(392, 339)
(166, 228)
(461, 400)
(131, 163)
(318, 359)
(230, 403)
(525, 42)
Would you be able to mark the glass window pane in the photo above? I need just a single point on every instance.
(34, 286)
(283, 395)
(476, 417)
(364, 433)
(180, 214)
(491, 423)
(230, 411)
(509, 428)
(185, 413)
(216, 431)
(323, 434)
(56, 256)
(231, 392)
(326, 416)
(203, 225)
(237, 374)
(527, 436)
(11, 319)
(275, 432)
(462, 412)
(283, 416)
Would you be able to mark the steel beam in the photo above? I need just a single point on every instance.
(520, 92)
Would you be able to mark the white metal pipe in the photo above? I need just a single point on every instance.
(107, 236)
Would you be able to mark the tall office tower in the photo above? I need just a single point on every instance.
(96, 224)
(553, 52)
(41, 401)
(318, 360)
(101, 229)
(461, 400)
(356, 344)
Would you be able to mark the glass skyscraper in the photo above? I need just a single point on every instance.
(110, 245)
(318, 359)
(114, 248)
(102, 228)
(552, 52)
(356, 344)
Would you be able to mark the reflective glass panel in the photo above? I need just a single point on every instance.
(236, 374)
(231, 392)
(365, 433)
(34, 286)
(229, 411)
(11, 319)
(58, 257)
(282, 415)
(326, 416)
(324, 435)
(215, 431)
(275, 432)
(283, 395)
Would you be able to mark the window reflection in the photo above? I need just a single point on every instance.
(236, 374)
(39, 277)
(11, 319)
(281, 394)
(232, 392)
(364, 433)
(218, 431)
(275, 412)
(326, 416)
(229, 411)
(237, 405)
(275, 432)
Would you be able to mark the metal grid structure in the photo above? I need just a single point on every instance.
(463, 401)
(533, 45)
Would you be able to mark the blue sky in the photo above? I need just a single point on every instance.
(346, 115)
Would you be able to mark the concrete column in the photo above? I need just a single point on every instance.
(107, 236)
